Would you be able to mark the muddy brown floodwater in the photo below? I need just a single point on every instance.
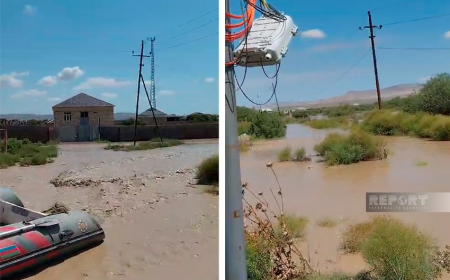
(315, 191)
(157, 224)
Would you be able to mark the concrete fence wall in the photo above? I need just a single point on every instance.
(33, 133)
(123, 133)
(172, 131)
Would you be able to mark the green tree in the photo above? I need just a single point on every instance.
(267, 125)
(434, 97)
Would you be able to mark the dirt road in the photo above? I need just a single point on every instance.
(156, 223)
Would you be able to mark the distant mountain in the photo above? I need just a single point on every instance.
(360, 97)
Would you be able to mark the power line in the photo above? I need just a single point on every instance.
(201, 16)
(417, 19)
(190, 30)
(346, 72)
(188, 42)
(415, 49)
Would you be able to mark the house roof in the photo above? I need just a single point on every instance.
(82, 100)
(148, 113)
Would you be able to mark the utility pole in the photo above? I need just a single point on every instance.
(152, 77)
(138, 89)
(235, 263)
(374, 56)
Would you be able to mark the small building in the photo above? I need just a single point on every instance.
(83, 109)
(80, 117)
(266, 110)
(147, 118)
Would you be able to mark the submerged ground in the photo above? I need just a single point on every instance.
(157, 224)
(312, 190)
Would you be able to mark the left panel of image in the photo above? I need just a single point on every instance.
(109, 127)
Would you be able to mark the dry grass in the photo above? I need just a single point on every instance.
(145, 145)
(271, 252)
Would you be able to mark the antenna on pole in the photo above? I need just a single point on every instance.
(152, 77)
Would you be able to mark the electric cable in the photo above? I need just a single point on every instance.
(346, 72)
(415, 49)
(417, 19)
(201, 16)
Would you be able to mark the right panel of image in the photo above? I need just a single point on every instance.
(337, 140)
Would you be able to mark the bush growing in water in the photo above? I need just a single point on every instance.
(267, 125)
(388, 122)
(358, 146)
(395, 250)
(208, 171)
(27, 153)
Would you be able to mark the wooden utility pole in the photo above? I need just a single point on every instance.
(374, 56)
(138, 89)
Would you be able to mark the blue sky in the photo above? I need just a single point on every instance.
(329, 43)
(52, 50)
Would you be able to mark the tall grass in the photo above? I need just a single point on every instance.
(347, 149)
(423, 125)
(208, 171)
(336, 122)
(393, 249)
(144, 145)
(25, 153)
(286, 154)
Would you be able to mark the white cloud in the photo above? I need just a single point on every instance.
(70, 73)
(447, 35)
(313, 34)
(67, 74)
(101, 82)
(53, 99)
(48, 81)
(11, 80)
(109, 95)
(29, 93)
(166, 92)
(29, 10)
(209, 80)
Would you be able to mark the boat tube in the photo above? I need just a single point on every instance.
(29, 238)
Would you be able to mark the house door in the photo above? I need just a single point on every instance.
(84, 131)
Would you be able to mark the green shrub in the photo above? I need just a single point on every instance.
(208, 171)
(423, 125)
(300, 154)
(300, 114)
(295, 225)
(358, 146)
(354, 235)
(434, 97)
(27, 153)
(144, 145)
(243, 127)
(336, 122)
(285, 154)
(258, 261)
(397, 251)
(266, 125)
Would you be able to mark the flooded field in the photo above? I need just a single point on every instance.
(312, 190)
(157, 224)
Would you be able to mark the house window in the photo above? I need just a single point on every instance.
(67, 117)
(84, 114)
